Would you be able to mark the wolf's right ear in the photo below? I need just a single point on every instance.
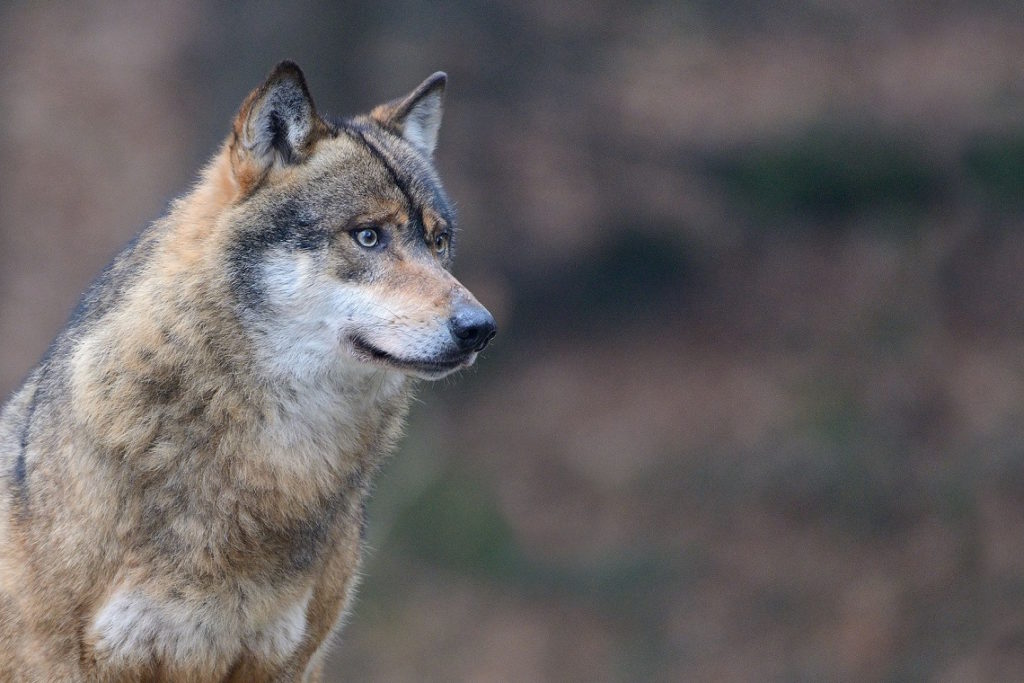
(276, 125)
(417, 116)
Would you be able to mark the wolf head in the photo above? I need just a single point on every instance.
(341, 237)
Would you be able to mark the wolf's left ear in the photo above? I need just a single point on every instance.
(417, 116)
(277, 124)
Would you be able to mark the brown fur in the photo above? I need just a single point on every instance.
(176, 489)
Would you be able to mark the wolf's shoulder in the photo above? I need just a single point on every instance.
(109, 287)
(15, 415)
(102, 295)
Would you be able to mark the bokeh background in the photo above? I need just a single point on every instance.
(756, 409)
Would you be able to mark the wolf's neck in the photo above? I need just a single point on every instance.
(339, 418)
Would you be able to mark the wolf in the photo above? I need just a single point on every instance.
(183, 476)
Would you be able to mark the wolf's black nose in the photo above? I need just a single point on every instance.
(472, 326)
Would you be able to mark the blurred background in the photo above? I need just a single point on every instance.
(756, 408)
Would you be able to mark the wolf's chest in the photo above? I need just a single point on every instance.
(140, 627)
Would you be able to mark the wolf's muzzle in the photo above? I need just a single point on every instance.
(472, 327)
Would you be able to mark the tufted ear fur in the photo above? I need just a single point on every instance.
(276, 125)
(417, 116)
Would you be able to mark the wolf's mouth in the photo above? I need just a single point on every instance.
(428, 367)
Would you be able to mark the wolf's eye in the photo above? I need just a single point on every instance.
(367, 237)
(441, 243)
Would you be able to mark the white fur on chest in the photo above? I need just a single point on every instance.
(133, 629)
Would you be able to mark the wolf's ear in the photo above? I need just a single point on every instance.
(417, 116)
(277, 124)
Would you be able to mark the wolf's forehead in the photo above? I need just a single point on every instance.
(380, 163)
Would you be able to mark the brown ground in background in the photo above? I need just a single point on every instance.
(755, 408)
